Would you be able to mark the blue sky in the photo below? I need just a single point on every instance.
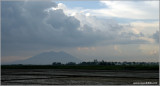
(85, 5)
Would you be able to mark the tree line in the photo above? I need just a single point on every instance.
(96, 62)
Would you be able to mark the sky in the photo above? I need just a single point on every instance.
(88, 30)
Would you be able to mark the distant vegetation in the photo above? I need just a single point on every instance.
(96, 62)
(99, 65)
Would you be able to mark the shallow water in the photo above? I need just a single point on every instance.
(75, 77)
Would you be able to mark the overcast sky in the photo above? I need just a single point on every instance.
(108, 30)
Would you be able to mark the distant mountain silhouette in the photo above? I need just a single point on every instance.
(49, 58)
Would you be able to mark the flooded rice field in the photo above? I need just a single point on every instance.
(77, 77)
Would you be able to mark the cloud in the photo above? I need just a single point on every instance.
(145, 27)
(116, 48)
(33, 26)
(129, 9)
(149, 49)
(156, 36)
(13, 58)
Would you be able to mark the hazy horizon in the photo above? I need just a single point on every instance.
(88, 30)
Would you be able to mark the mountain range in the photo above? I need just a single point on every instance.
(49, 58)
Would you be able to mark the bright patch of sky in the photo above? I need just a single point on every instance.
(122, 20)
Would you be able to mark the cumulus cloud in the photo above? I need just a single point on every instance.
(145, 27)
(36, 25)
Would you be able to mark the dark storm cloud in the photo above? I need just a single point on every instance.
(27, 26)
